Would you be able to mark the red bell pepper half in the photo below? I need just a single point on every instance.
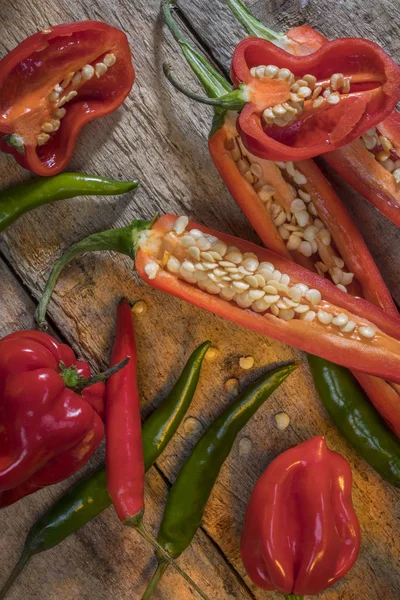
(48, 430)
(375, 89)
(56, 81)
(301, 533)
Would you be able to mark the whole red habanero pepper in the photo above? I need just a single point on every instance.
(371, 164)
(56, 81)
(301, 533)
(50, 413)
(319, 233)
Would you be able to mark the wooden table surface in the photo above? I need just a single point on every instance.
(160, 137)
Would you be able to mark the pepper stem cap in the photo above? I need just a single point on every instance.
(77, 383)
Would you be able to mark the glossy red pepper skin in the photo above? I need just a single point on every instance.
(382, 359)
(354, 163)
(29, 73)
(301, 533)
(49, 431)
(124, 449)
(316, 130)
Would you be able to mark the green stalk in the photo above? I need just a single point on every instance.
(123, 240)
(138, 524)
(233, 100)
(155, 580)
(213, 82)
(253, 26)
(75, 382)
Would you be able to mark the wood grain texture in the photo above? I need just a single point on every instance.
(160, 137)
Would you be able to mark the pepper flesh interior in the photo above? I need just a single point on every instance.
(207, 262)
(296, 94)
(292, 211)
(38, 112)
(383, 151)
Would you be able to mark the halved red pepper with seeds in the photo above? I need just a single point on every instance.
(379, 355)
(253, 287)
(372, 164)
(56, 81)
(322, 124)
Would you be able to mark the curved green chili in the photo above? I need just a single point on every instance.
(89, 498)
(190, 492)
(25, 196)
(356, 418)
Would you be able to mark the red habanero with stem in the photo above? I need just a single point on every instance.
(53, 83)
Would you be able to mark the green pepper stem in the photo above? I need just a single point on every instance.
(291, 597)
(253, 26)
(214, 83)
(155, 580)
(137, 523)
(23, 561)
(124, 240)
(75, 382)
(234, 100)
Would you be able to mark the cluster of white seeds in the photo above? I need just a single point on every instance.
(66, 90)
(301, 89)
(382, 148)
(218, 269)
(297, 223)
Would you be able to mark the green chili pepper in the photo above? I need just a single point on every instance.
(356, 418)
(189, 494)
(89, 498)
(25, 196)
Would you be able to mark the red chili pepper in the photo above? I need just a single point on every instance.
(50, 412)
(124, 450)
(375, 90)
(349, 243)
(56, 81)
(301, 533)
(380, 356)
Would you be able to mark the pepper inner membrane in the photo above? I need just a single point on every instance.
(32, 105)
(239, 277)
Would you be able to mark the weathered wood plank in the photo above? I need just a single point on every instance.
(16, 306)
(162, 138)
